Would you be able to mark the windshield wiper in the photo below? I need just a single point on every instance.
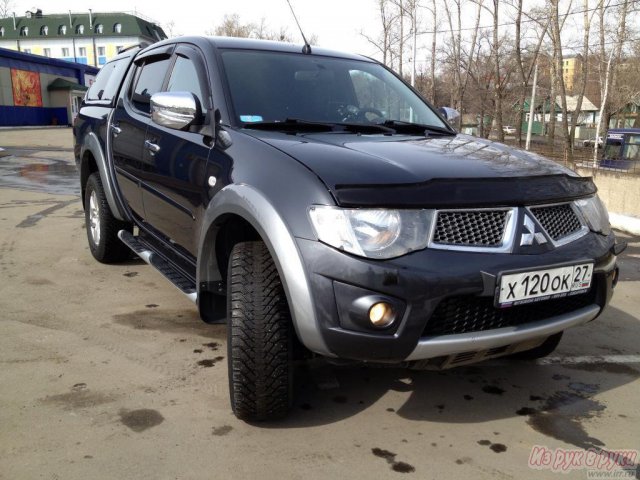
(297, 125)
(291, 125)
(407, 127)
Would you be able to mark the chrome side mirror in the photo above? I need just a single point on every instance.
(175, 110)
(449, 113)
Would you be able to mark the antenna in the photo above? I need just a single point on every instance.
(307, 48)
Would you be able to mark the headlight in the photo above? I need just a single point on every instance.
(595, 213)
(372, 233)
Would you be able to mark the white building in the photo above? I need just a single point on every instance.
(89, 38)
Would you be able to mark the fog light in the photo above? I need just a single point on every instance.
(381, 314)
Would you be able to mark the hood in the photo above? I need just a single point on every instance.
(461, 170)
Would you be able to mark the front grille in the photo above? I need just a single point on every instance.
(558, 220)
(475, 228)
(464, 314)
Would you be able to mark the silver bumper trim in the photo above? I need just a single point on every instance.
(475, 341)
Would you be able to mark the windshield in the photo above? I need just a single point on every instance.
(274, 87)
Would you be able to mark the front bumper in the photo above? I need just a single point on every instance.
(417, 283)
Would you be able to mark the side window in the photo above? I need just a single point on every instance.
(184, 78)
(632, 148)
(150, 79)
(105, 88)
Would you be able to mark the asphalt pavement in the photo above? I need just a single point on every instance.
(107, 372)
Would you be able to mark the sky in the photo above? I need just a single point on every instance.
(337, 23)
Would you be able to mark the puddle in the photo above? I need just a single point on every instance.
(59, 177)
(141, 420)
(563, 415)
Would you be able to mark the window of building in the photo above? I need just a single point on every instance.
(82, 51)
(101, 51)
(80, 29)
(27, 50)
(99, 28)
(24, 31)
(149, 81)
(62, 30)
(65, 52)
(119, 48)
(117, 28)
(44, 30)
(1, 31)
(47, 52)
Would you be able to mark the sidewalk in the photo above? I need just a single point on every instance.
(626, 223)
(53, 137)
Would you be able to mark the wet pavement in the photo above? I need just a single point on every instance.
(40, 170)
(106, 371)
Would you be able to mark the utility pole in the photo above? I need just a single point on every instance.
(532, 108)
(415, 39)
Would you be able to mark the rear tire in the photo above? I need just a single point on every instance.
(259, 336)
(102, 227)
(541, 351)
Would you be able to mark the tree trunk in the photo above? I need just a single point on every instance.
(559, 61)
(433, 52)
(401, 39)
(583, 72)
(498, 83)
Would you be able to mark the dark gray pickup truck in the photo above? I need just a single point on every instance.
(319, 205)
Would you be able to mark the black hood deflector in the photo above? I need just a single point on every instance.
(467, 192)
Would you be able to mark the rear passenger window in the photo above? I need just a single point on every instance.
(150, 80)
(105, 87)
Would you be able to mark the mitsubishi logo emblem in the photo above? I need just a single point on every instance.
(529, 234)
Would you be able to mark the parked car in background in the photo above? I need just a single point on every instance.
(509, 130)
(622, 150)
(589, 142)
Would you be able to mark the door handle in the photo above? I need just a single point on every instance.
(152, 147)
(116, 130)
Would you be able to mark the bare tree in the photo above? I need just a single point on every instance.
(400, 39)
(556, 38)
(232, 26)
(169, 29)
(584, 71)
(469, 60)
(384, 42)
(525, 73)
(434, 11)
(611, 70)
(6, 8)
(455, 32)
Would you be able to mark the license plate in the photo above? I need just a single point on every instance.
(538, 285)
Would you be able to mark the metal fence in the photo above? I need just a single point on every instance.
(582, 157)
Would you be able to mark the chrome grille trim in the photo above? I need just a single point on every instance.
(506, 237)
(558, 221)
(472, 228)
(551, 232)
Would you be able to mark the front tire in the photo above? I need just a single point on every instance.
(259, 336)
(102, 227)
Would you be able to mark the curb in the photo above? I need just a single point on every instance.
(625, 223)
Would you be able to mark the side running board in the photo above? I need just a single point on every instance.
(147, 253)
